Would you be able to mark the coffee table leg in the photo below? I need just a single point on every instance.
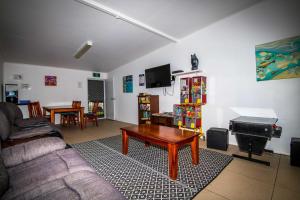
(195, 150)
(173, 160)
(147, 144)
(124, 142)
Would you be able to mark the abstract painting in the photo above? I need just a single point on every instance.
(278, 60)
(127, 84)
(50, 81)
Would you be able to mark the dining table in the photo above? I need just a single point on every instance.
(64, 109)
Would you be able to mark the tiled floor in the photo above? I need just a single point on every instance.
(240, 180)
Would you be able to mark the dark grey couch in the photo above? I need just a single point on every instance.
(44, 169)
(15, 116)
(14, 129)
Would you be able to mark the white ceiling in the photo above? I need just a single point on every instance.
(48, 32)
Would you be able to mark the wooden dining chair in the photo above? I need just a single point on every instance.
(35, 110)
(71, 117)
(92, 116)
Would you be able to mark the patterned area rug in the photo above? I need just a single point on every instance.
(143, 173)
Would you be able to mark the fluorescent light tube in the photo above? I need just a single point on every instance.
(83, 49)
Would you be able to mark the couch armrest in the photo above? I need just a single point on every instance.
(20, 153)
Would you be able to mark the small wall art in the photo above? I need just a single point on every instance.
(50, 81)
(141, 79)
(278, 60)
(128, 84)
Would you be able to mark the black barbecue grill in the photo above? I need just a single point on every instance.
(252, 134)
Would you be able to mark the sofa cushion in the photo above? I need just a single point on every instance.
(3, 178)
(30, 132)
(31, 122)
(78, 185)
(20, 153)
(34, 173)
(4, 126)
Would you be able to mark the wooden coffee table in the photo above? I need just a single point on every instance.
(172, 138)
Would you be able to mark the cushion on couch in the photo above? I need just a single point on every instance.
(20, 153)
(44, 169)
(78, 185)
(30, 132)
(31, 122)
(4, 126)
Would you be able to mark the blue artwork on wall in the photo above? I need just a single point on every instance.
(278, 60)
(128, 84)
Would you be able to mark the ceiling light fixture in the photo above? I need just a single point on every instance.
(96, 5)
(83, 49)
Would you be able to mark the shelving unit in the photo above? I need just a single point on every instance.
(188, 72)
(188, 114)
(147, 105)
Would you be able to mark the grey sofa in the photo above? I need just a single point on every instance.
(15, 116)
(10, 134)
(49, 171)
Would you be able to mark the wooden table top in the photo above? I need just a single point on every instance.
(59, 107)
(163, 133)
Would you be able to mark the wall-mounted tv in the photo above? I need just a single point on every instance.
(158, 76)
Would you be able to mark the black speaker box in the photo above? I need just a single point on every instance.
(295, 152)
(217, 138)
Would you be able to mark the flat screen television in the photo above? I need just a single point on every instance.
(158, 76)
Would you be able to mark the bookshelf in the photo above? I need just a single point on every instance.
(147, 105)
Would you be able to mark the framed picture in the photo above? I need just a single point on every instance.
(278, 60)
(141, 79)
(50, 81)
(128, 84)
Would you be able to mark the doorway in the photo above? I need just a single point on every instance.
(110, 99)
(96, 92)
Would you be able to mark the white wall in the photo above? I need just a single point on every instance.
(64, 93)
(226, 51)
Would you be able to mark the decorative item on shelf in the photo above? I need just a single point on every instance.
(192, 122)
(145, 107)
(185, 90)
(198, 90)
(177, 110)
(194, 61)
(144, 99)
